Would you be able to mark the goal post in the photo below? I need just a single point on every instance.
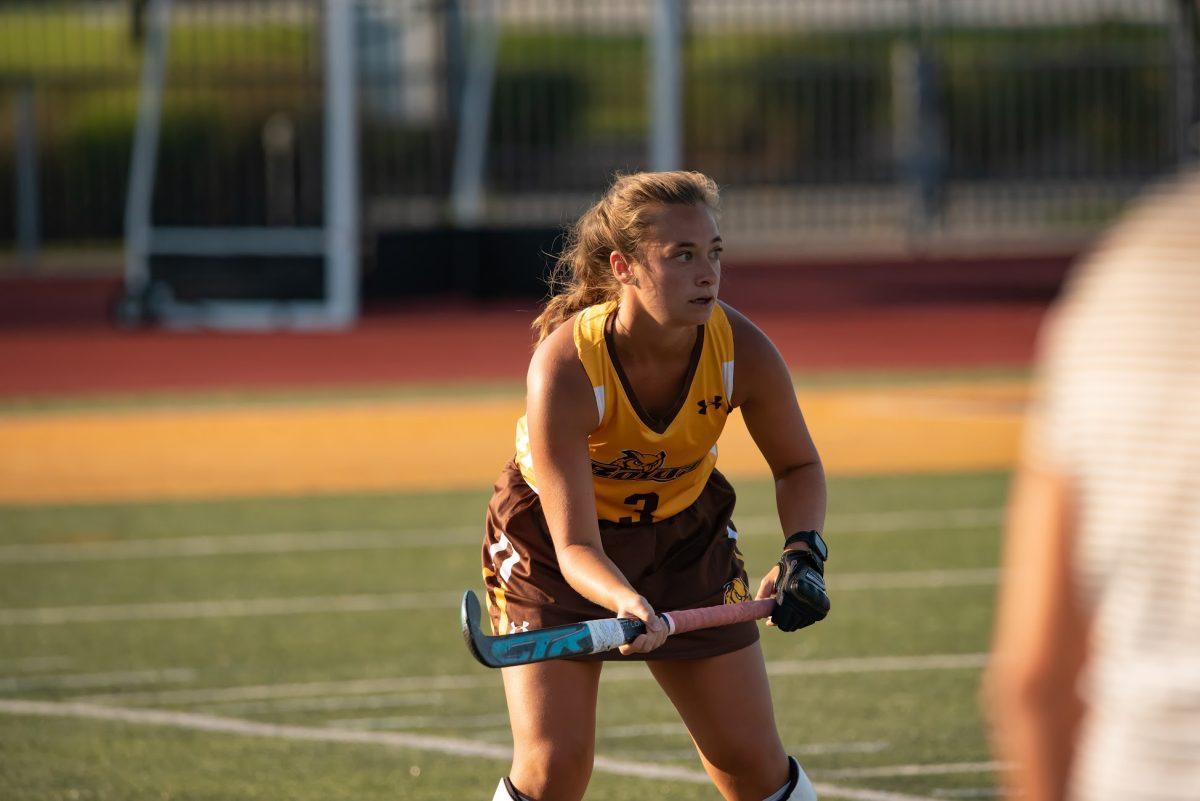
(333, 247)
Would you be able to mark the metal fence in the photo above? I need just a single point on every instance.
(830, 123)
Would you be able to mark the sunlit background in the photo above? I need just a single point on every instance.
(267, 270)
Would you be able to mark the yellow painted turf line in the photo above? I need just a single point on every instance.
(134, 455)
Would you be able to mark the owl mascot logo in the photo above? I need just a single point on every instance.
(736, 592)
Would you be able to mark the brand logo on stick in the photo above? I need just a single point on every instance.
(535, 645)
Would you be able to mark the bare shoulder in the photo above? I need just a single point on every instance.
(556, 375)
(749, 341)
(758, 361)
(558, 345)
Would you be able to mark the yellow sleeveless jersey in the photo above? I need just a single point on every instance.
(645, 469)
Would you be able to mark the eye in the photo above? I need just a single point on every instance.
(715, 254)
(684, 256)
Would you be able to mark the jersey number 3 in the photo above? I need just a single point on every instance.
(649, 501)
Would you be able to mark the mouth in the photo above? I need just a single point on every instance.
(704, 302)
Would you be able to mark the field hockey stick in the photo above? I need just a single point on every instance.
(591, 636)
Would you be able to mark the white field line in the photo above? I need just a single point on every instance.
(677, 729)
(612, 673)
(819, 749)
(297, 541)
(641, 730)
(314, 689)
(891, 522)
(968, 792)
(914, 579)
(320, 604)
(238, 544)
(892, 771)
(862, 794)
(419, 722)
(816, 749)
(213, 723)
(653, 754)
(421, 742)
(877, 664)
(193, 610)
(332, 704)
(35, 664)
(92, 681)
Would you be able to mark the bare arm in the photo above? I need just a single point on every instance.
(763, 390)
(561, 411)
(1040, 641)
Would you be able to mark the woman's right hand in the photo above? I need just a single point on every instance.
(656, 628)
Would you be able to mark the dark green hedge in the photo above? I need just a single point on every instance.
(210, 167)
(782, 109)
(1057, 118)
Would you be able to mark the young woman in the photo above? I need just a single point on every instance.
(612, 503)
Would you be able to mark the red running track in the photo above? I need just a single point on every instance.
(54, 339)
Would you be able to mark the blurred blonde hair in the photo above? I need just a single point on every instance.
(618, 221)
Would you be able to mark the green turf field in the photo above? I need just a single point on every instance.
(309, 649)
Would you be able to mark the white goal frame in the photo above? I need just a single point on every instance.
(337, 240)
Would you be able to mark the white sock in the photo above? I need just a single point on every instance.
(506, 792)
(778, 795)
(797, 787)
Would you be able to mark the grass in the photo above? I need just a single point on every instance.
(835, 721)
(78, 761)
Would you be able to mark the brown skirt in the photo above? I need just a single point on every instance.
(688, 560)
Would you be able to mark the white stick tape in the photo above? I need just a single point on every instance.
(606, 634)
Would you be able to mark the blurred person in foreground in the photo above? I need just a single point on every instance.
(613, 503)
(1094, 684)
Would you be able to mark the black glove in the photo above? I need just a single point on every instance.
(800, 597)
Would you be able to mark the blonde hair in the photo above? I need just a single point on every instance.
(618, 221)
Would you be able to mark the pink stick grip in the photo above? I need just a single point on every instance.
(724, 615)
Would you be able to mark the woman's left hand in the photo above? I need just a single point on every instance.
(766, 587)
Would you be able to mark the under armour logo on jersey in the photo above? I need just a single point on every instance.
(715, 403)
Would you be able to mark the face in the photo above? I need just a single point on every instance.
(677, 272)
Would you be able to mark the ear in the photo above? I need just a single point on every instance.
(622, 268)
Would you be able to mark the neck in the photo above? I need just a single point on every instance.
(637, 333)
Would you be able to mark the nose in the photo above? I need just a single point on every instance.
(708, 276)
